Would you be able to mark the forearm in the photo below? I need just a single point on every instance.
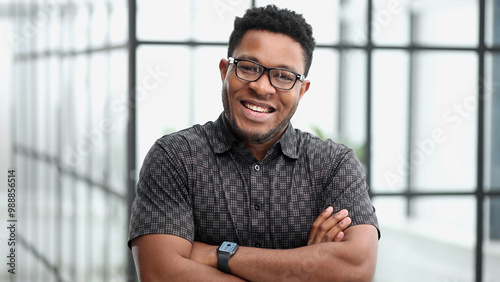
(160, 257)
(185, 270)
(320, 262)
(352, 259)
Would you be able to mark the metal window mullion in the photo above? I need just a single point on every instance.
(131, 123)
(480, 146)
(494, 135)
(369, 77)
(411, 109)
(342, 76)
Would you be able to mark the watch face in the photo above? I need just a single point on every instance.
(228, 247)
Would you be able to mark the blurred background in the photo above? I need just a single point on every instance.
(87, 86)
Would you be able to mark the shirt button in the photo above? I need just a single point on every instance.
(256, 167)
(256, 207)
(258, 245)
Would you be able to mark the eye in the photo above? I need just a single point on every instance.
(283, 76)
(249, 67)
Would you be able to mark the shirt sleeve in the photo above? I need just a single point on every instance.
(163, 203)
(347, 188)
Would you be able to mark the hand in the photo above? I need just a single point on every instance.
(328, 228)
(204, 253)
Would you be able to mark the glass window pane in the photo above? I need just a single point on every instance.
(97, 210)
(41, 99)
(435, 244)
(390, 120)
(207, 83)
(118, 119)
(391, 22)
(158, 20)
(443, 155)
(83, 229)
(214, 20)
(163, 94)
(118, 215)
(443, 22)
(67, 221)
(446, 22)
(353, 101)
(76, 152)
(95, 135)
(53, 106)
(322, 96)
(31, 92)
(324, 21)
(98, 20)
(81, 24)
(54, 26)
(118, 27)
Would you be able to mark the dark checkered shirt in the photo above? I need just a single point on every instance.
(202, 184)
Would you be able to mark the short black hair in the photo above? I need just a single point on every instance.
(274, 19)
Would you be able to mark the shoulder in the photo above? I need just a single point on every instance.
(195, 136)
(326, 155)
(178, 147)
(312, 145)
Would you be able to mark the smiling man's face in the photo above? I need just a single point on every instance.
(257, 111)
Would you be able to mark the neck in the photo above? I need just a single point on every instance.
(259, 151)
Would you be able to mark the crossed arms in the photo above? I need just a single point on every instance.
(333, 253)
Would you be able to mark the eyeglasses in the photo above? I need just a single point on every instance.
(278, 77)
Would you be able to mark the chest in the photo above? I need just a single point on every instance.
(264, 204)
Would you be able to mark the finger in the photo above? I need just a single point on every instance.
(336, 234)
(329, 228)
(339, 237)
(317, 223)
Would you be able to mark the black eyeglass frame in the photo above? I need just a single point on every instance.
(234, 61)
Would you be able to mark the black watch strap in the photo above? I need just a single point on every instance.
(223, 263)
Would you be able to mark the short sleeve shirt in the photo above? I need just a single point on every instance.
(202, 184)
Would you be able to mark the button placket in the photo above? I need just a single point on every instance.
(257, 200)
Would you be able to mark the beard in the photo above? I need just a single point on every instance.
(251, 135)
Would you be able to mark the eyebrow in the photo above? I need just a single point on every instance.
(252, 58)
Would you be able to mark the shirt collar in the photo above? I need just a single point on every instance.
(289, 143)
(223, 139)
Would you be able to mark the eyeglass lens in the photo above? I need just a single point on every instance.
(280, 78)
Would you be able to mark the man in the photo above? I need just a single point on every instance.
(250, 180)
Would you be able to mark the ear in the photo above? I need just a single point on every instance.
(303, 88)
(223, 67)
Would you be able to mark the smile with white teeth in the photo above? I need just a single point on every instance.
(258, 108)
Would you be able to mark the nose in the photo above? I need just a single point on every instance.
(263, 86)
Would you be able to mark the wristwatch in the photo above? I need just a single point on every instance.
(224, 252)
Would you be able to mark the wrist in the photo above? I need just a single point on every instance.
(225, 251)
(204, 253)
